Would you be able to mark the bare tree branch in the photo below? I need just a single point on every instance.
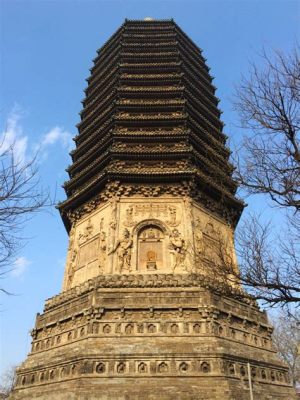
(20, 197)
(268, 163)
(286, 338)
(268, 105)
(7, 382)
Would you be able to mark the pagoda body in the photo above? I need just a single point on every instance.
(149, 199)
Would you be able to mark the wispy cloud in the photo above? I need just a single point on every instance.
(57, 135)
(19, 267)
(12, 137)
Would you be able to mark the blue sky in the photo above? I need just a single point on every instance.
(47, 49)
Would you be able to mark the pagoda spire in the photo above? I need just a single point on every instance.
(151, 116)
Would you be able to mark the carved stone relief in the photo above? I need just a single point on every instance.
(211, 243)
(86, 234)
(173, 215)
(123, 250)
(102, 248)
(151, 210)
(115, 188)
(112, 231)
(137, 212)
(178, 249)
(129, 216)
(198, 237)
(109, 242)
(88, 252)
(72, 266)
(88, 247)
(192, 366)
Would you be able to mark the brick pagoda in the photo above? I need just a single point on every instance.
(149, 200)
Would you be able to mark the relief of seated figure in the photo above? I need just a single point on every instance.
(151, 260)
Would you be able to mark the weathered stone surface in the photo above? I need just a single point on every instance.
(146, 343)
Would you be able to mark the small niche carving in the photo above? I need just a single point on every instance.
(174, 328)
(150, 248)
(151, 328)
(163, 367)
(100, 368)
(129, 329)
(73, 369)
(42, 377)
(263, 374)
(205, 367)
(121, 367)
(243, 370)
(106, 328)
(183, 367)
(197, 328)
(273, 377)
(142, 368)
(231, 368)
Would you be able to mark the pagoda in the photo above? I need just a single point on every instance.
(150, 199)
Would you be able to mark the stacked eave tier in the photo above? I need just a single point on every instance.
(150, 116)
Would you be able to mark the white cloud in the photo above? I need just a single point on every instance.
(57, 135)
(19, 267)
(12, 137)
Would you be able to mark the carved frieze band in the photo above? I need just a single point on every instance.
(143, 367)
(57, 337)
(154, 280)
(201, 321)
(184, 189)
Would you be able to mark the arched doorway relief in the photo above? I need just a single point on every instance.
(150, 246)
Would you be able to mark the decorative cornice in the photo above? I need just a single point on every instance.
(196, 281)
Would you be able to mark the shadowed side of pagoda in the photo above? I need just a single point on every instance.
(151, 212)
